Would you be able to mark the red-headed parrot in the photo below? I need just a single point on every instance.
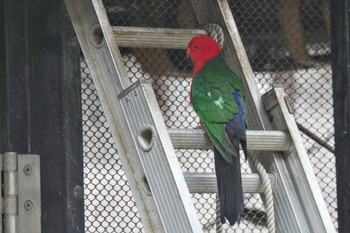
(217, 96)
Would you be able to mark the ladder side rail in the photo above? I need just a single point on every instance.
(163, 174)
(102, 37)
(288, 209)
(110, 78)
(298, 163)
(78, 11)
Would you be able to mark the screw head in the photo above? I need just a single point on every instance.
(28, 205)
(27, 170)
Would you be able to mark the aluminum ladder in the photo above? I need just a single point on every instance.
(146, 146)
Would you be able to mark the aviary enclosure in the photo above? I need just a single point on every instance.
(287, 43)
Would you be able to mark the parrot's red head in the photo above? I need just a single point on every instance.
(202, 49)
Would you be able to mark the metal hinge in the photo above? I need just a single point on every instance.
(20, 197)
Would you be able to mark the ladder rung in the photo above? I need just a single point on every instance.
(146, 37)
(263, 140)
(206, 182)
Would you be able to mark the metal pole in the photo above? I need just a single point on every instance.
(341, 92)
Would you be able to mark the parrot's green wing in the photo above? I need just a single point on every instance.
(213, 99)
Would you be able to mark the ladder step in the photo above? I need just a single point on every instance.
(256, 140)
(206, 182)
(163, 38)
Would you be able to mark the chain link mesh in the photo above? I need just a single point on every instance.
(290, 48)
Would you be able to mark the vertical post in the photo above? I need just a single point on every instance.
(341, 94)
(40, 106)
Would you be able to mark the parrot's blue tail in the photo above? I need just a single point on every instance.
(229, 187)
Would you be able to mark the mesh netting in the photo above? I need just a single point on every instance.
(287, 43)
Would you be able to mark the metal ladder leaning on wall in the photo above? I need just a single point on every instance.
(146, 146)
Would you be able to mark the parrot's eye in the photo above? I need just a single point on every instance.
(196, 47)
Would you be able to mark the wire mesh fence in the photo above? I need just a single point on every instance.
(287, 42)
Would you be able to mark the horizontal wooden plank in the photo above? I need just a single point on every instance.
(144, 37)
(206, 182)
(256, 140)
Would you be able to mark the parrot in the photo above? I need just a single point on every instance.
(217, 96)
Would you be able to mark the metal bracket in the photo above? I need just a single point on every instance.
(21, 193)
